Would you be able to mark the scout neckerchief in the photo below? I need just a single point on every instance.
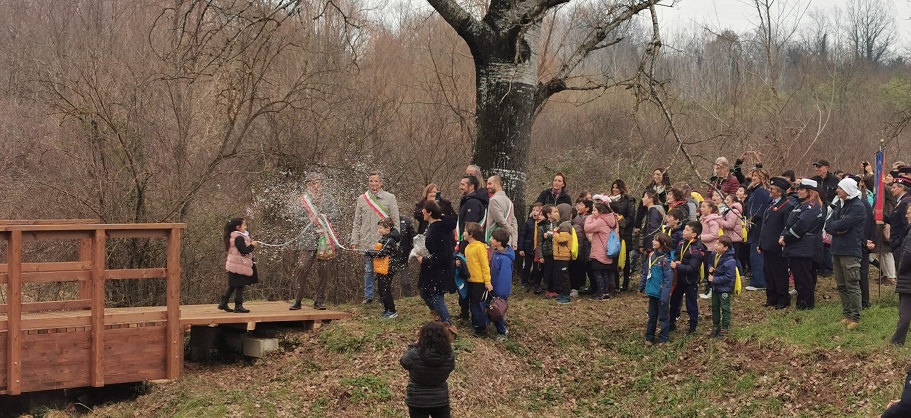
(374, 203)
(655, 259)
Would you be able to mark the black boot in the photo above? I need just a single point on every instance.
(223, 304)
(295, 306)
(319, 306)
(239, 308)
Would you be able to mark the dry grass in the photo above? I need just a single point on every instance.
(583, 359)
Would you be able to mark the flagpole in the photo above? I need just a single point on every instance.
(880, 197)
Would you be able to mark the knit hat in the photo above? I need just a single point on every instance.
(850, 187)
(781, 183)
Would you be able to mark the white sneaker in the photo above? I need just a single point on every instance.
(706, 295)
(793, 291)
(574, 293)
(752, 288)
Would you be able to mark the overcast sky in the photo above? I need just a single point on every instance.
(740, 16)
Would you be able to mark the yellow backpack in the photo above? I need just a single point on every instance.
(574, 245)
(738, 287)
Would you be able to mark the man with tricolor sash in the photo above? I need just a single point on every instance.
(501, 213)
(373, 205)
(318, 242)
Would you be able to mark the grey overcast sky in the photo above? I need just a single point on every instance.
(738, 14)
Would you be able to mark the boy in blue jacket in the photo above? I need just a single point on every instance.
(722, 275)
(674, 222)
(688, 266)
(657, 278)
(501, 274)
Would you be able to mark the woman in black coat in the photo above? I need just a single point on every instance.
(429, 362)
(436, 277)
(557, 193)
(622, 204)
(903, 288)
(801, 240)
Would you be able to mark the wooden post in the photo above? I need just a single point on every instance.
(85, 254)
(99, 254)
(174, 339)
(14, 313)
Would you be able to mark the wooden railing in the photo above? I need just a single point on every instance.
(91, 273)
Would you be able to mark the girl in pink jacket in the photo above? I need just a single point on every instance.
(598, 228)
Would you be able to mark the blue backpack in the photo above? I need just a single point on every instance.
(613, 244)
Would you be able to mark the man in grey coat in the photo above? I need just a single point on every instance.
(322, 205)
(373, 205)
(501, 211)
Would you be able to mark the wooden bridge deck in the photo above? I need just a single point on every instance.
(81, 342)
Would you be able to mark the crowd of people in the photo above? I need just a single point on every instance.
(771, 232)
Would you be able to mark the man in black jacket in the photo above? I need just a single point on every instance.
(846, 225)
(775, 265)
(898, 224)
(472, 207)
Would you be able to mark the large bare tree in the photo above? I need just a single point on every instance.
(507, 47)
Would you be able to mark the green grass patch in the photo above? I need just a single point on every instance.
(365, 389)
(819, 328)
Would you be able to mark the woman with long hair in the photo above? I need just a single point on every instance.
(431, 193)
(429, 362)
(239, 264)
(625, 206)
(801, 242)
(557, 193)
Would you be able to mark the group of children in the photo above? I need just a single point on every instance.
(678, 254)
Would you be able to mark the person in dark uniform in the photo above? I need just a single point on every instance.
(826, 182)
(773, 223)
(898, 224)
(802, 242)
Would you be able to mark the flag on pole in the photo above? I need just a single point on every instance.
(879, 196)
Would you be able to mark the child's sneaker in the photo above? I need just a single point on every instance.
(574, 293)
(551, 295)
(502, 337)
(391, 315)
(563, 300)
(707, 295)
(385, 313)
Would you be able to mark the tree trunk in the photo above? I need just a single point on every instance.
(506, 88)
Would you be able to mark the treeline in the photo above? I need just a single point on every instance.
(197, 111)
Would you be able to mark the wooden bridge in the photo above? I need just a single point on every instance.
(79, 342)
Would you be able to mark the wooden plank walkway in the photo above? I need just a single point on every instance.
(81, 342)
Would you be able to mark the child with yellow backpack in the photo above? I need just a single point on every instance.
(724, 277)
(564, 246)
(384, 249)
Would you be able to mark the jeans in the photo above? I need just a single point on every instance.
(757, 266)
(687, 291)
(847, 277)
(437, 304)
(804, 271)
(721, 310)
(658, 315)
(827, 259)
(476, 298)
(904, 319)
(368, 277)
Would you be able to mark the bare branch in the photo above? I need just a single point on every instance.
(593, 42)
(470, 29)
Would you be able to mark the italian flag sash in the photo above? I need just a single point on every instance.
(372, 203)
(328, 232)
(494, 227)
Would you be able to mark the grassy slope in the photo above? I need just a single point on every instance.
(583, 359)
